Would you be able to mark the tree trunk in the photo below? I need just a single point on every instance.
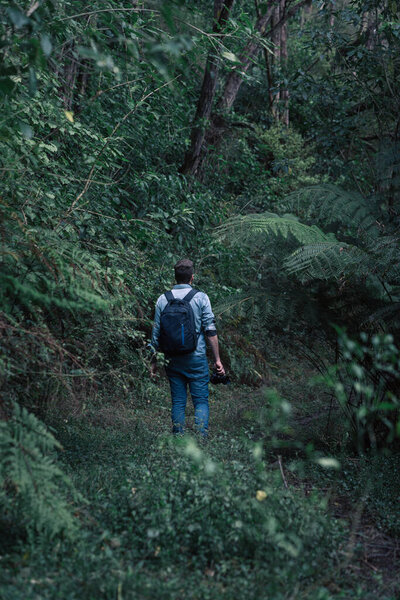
(204, 106)
(332, 14)
(235, 78)
(284, 96)
(276, 41)
(372, 29)
(233, 82)
(305, 13)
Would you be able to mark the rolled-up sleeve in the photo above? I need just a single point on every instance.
(208, 318)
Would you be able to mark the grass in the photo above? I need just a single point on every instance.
(170, 518)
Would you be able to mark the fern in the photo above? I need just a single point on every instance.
(34, 491)
(389, 313)
(327, 260)
(329, 205)
(248, 227)
(332, 261)
(266, 303)
(370, 265)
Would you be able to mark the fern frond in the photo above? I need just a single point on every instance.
(330, 205)
(387, 164)
(34, 490)
(388, 314)
(233, 304)
(263, 225)
(330, 261)
(267, 305)
(326, 261)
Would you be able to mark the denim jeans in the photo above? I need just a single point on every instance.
(193, 371)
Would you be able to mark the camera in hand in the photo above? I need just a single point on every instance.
(216, 379)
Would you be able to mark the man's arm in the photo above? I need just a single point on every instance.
(208, 324)
(218, 366)
(155, 335)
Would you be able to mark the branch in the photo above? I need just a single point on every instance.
(117, 126)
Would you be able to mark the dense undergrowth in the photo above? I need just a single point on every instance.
(171, 518)
(292, 228)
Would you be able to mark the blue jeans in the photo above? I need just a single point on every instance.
(193, 371)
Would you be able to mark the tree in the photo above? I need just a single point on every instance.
(191, 161)
(208, 126)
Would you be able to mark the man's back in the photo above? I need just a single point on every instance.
(204, 319)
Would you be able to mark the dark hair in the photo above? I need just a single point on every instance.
(184, 270)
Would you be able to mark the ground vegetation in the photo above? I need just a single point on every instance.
(260, 139)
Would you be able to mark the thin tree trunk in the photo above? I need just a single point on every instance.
(305, 13)
(284, 96)
(332, 15)
(372, 29)
(269, 79)
(235, 78)
(192, 157)
(276, 42)
(267, 63)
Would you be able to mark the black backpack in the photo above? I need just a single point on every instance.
(177, 329)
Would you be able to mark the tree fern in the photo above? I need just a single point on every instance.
(34, 491)
(269, 302)
(329, 205)
(261, 225)
(370, 264)
(332, 261)
(327, 260)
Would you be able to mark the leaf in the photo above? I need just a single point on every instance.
(261, 495)
(246, 227)
(230, 56)
(46, 44)
(26, 130)
(17, 17)
(328, 462)
(70, 115)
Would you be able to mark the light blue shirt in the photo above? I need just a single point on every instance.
(204, 319)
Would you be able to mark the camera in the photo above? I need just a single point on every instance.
(216, 379)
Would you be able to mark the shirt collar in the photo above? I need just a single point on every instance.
(181, 286)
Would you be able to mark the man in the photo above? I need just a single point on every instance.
(189, 369)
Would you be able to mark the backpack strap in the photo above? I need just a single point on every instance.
(169, 296)
(190, 295)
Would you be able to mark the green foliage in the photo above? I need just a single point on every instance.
(248, 227)
(371, 482)
(173, 509)
(96, 109)
(288, 160)
(367, 385)
(237, 522)
(34, 491)
(357, 258)
(338, 210)
(92, 203)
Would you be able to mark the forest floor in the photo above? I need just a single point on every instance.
(161, 514)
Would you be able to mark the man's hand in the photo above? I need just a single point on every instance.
(219, 368)
(153, 370)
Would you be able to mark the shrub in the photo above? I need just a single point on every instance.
(366, 382)
(34, 491)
